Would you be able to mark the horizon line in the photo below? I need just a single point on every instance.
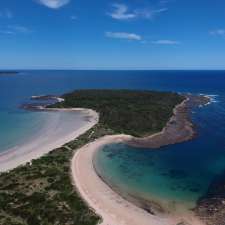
(113, 69)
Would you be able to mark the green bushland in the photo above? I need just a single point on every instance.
(138, 113)
(41, 193)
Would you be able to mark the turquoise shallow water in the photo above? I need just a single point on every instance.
(179, 173)
(18, 127)
(176, 174)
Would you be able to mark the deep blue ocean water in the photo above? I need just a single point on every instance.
(179, 173)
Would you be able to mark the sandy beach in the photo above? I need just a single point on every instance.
(114, 209)
(63, 126)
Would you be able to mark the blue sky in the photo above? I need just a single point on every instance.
(112, 34)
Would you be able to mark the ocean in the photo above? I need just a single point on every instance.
(175, 174)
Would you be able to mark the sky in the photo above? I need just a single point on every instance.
(112, 34)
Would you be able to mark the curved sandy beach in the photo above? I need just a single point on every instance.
(63, 126)
(114, 209)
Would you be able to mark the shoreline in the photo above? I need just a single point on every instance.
(178, 129)
(111, 206)
(114, 209)
(43, 143)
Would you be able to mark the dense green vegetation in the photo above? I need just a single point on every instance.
(41, 193)
(138, 113)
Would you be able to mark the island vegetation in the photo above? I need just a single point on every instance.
(41, 192)
(8, 72)
(138, 113)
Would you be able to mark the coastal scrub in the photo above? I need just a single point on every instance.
(41, 192)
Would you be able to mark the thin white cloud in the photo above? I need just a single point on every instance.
(15, 29)
(159, 10)
(150, 14)
(6, 32)
(164, 2)
(123, 35)
(122, 12)
(6, 13)
(218, 32)
(165, 42)
(53, 4)
(19, 29)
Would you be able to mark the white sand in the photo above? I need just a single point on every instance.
(60, 129)
(113, 209)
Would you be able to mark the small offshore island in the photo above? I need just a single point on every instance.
(42, 192)
(8, 72)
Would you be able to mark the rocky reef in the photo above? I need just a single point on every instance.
(211, 207)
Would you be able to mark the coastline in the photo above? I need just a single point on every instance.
(47, 140)
(178, 129)
(112, 207)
